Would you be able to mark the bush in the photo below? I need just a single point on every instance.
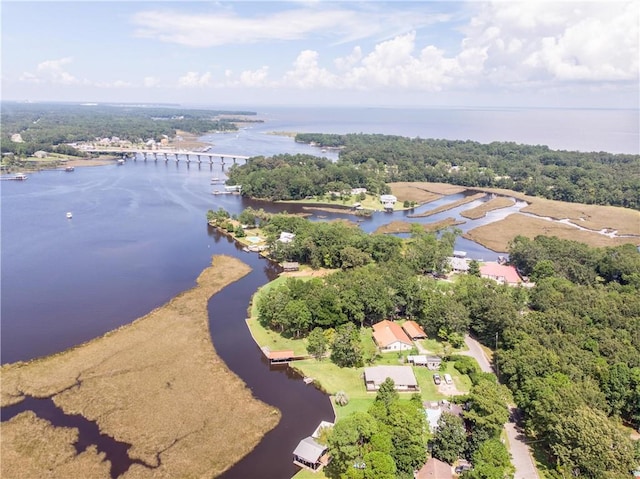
(465, 365)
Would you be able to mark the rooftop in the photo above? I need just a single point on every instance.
(387, 332)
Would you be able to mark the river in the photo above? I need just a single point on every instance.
(138, 237)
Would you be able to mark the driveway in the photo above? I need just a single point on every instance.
(520, 453)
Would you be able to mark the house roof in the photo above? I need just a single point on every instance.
(401, 375)
(459, 264)
(500, 272)
(387, 332)
(285, 354)
(309, 450)
(435, 469)
(413, 329)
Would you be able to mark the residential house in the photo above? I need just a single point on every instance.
(402, 376)
(389, 336)
(286, 237)
(388, 201)
(414, 330)
(310, 454)
(435, 469)
(290, 266)
(458, 265)
(501, 273)
(431, 362)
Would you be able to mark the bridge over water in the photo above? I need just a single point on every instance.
(174, 155)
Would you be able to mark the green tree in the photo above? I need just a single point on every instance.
(474, 268)
(346, 350)
(586, 442)
(379, 465)
(349, 442)
(317, 343)
(491, 461)
(450, 438)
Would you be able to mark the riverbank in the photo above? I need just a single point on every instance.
(156, 384)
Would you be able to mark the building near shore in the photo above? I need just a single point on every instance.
(402, 377)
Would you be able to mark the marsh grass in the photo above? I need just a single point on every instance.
(450, 206)
(496, 236)
(493, 204)
(156, 384)
(400, 226)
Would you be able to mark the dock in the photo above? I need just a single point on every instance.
(18, 177)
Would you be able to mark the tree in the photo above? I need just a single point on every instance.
(587, 443)
(317, 343)
(450, 438)
(346, 350)
(379, 465)
(349, 441)
(474, 268)
(341, 398)
(387, 393)
(491, 461)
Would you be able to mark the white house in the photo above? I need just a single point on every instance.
(389, 336)
(286, 237)
(388, 201)
(402, 377)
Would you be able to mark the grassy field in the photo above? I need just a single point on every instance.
(370, 202)
(156, 384)
(423, 192)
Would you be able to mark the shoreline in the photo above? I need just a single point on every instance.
(118, 378)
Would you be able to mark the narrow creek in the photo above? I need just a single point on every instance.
(302, 406)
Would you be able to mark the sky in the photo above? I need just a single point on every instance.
(307, 53)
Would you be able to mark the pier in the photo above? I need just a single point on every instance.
(18, 177)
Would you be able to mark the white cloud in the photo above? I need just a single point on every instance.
(307, 73)
(255, 78)
(52, 70)
(335, 22)
(150, 81)
(194, 79)
(556, 41)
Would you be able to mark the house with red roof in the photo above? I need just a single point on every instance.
(435, 469)
(414, 330)
(501, 273)
(389, 336)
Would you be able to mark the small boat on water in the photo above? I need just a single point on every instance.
(20, 176)
(121, 162)
(69, 168)
(69, 215)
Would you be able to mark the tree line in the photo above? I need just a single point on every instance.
(593, 178)
(295, 177)
(49, 127)
(568, 348)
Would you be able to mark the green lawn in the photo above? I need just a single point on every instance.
(371, 202)
(305, 474)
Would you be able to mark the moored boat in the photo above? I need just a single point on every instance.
(69, 215)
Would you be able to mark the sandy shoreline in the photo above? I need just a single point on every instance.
(156, 383)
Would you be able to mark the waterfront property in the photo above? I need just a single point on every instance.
(389, 337)
(402, 376)
(279, 357)
(309, 453)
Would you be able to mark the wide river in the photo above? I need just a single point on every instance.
(138, 237)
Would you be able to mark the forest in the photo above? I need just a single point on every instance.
(50, 127)
(594, 178)
(568, 349)
(295, 177)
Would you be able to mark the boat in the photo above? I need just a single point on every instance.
(69, 168)
(20, 176)
(121, 162)
(69, 215)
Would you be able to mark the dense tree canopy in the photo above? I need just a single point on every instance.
(593, 178)
(49, 127)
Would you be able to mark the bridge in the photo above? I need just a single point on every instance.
(166, 155)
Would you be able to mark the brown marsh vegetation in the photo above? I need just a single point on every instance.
(156, 384)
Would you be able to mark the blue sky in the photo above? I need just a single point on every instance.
(370, 53)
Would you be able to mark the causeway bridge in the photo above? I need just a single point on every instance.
(174, 155)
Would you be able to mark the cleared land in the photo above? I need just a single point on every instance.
(405, 226)
(493, 204)
(156, 384)
(496, 236)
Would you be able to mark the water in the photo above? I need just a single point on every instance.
(614, 131)
(138, 237)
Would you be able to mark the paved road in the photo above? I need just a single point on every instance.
(520, 453)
